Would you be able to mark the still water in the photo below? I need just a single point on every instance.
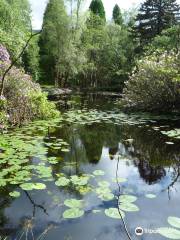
(98, 154)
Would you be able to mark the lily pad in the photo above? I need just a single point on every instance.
(104, 184)
(150, 196)
(114, 213)
(170, 233)
(80, 181)
(32, 186)
(170, 143)
(99, 173)
(128, 207)
(174, 221)
(101, 190)
(14, 194)
(62, 182)
(106, 196)
(73, 213)
(127, 198)
(73, 203)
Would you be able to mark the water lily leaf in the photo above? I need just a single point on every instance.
(128, 207)
(73, 203)
(14, 194)
(65, 150)
(170, 143)
(101, 190)
(79, 181)
(98, 173)
(170, 233)
(62, 182)
(106, 196)
(32, 186)
(73, 213)
(174, 221)
(39, 186)
(104, 184)
(114, 213)
(150, 195)
(84, 189)
(127, 198)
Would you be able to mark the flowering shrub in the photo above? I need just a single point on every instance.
(155, 84)
(23, 99)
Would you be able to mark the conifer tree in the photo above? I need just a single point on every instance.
(117, 16)
(54, 41)
(155, 16)
(97, 8)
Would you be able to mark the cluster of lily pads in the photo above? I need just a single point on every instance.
(86, 116)
(172, 232)
(175, 133)
(102, 190)
(17, 151)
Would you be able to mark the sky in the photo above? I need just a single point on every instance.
(38, 7)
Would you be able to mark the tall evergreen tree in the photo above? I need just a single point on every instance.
(54, 42)
(117, 16)
(97, 8)
(155, 16)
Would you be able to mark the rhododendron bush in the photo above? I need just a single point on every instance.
(155, 84)
(22, 99)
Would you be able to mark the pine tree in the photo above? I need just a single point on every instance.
(117, 16)
(97, 8)
(155, 16)
(54, 42)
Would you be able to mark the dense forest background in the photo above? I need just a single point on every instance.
(136, 53)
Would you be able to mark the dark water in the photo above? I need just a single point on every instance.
(148, 163)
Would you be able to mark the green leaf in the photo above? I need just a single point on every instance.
(127, 198)
(170, 233)
(79, 181)
(114, 213)
(98, 173)
(73, 203)
(174, 221)
(73, 213)
(104, 184)
(128, 207)
(32, 186)
(106, 196)
(14, 194)
(150, 196)
(62, 182)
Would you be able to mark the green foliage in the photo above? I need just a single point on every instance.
(23, 100)
(31, 59)
(155, 16)
(155, 84)
(54, 43)
(14, 24)
(117, 16)
(109, 52)
(168, 40)
(97, 8)
(114, 213)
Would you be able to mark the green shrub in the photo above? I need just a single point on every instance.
(154, 84)
(22, 99)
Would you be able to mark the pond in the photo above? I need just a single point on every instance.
(89, 173)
